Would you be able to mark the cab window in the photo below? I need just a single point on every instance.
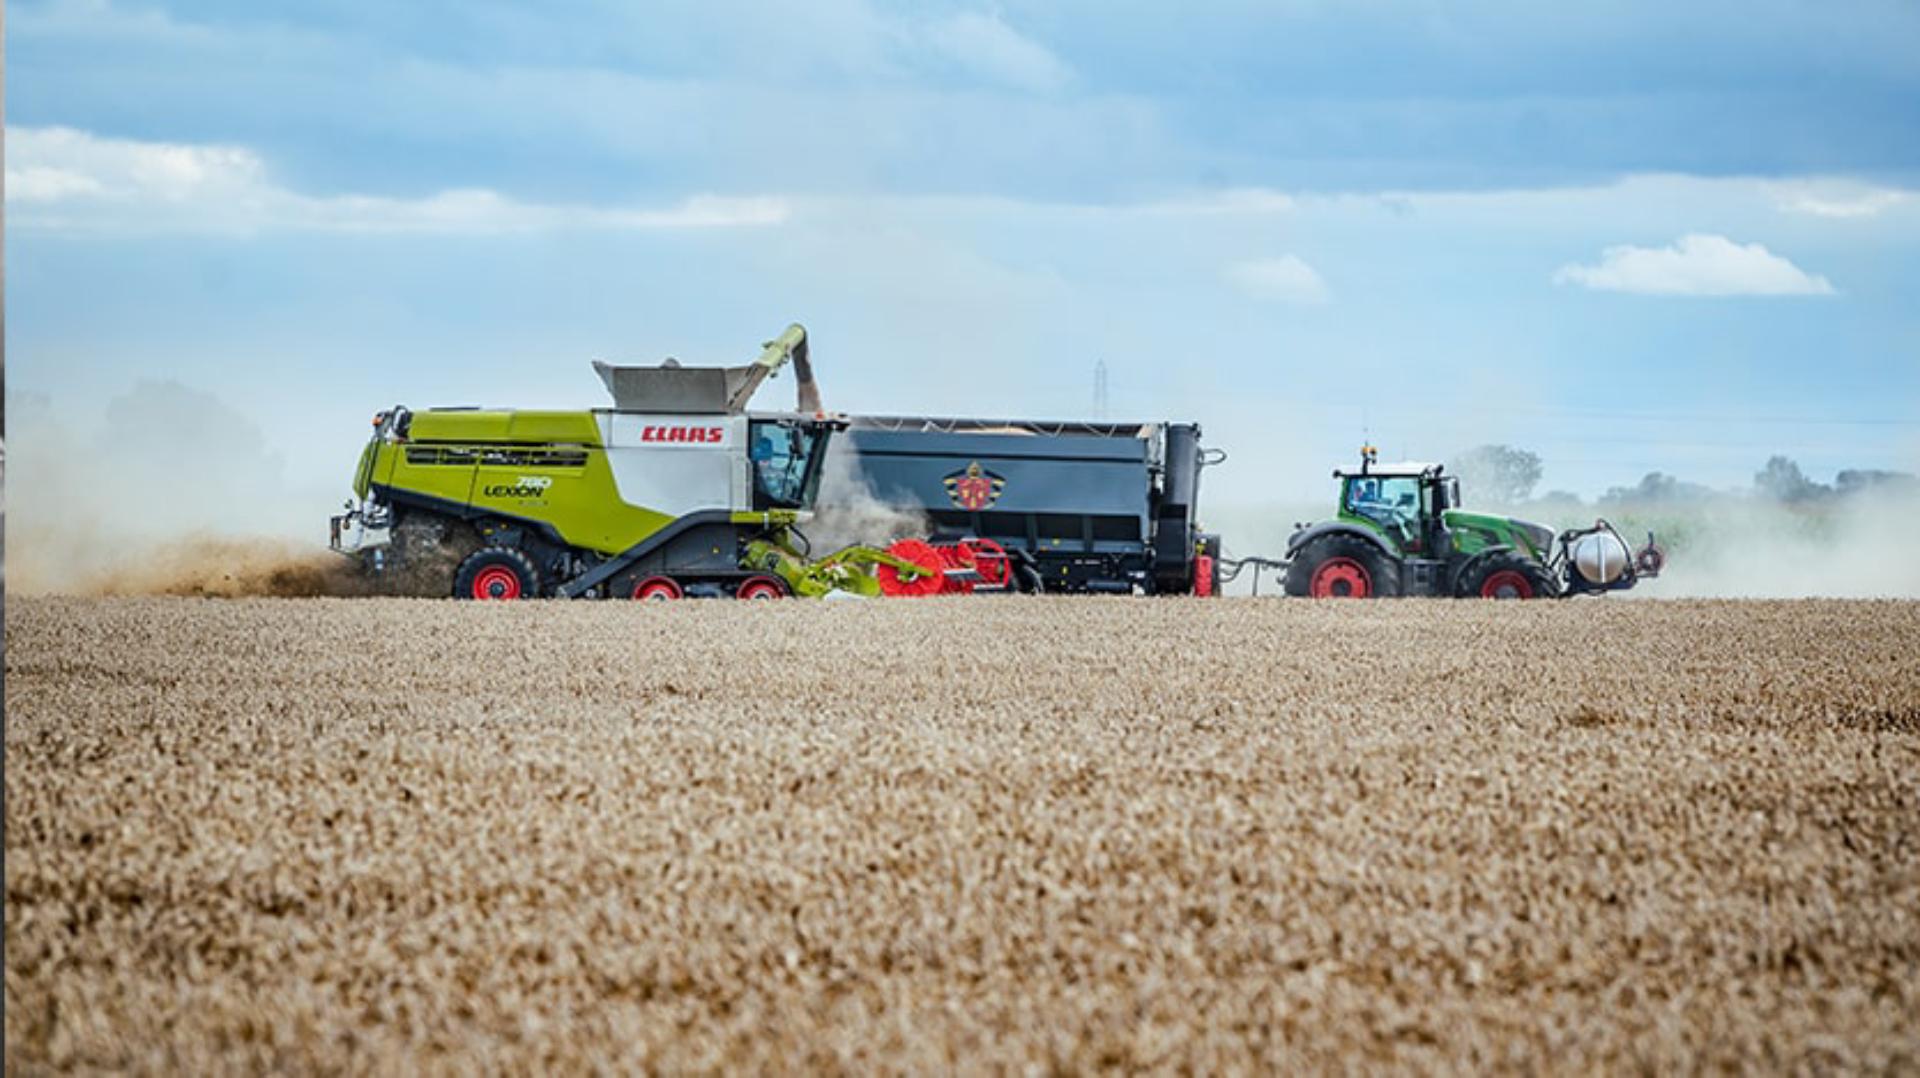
(1387, 500)
(781, 454)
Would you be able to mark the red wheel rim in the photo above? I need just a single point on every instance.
(657, 588)
(922, 554)
(496, 582)
(1507, 584)
(761, 587)
(1341, 578)
(990, 561)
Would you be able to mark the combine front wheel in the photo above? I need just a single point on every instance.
(496, 573)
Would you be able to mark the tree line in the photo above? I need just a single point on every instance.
(1506, 475)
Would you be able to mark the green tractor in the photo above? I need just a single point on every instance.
(1400, 531)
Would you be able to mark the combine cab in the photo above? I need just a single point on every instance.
(674, 491)
(1399, 531)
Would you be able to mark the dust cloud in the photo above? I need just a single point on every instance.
(172, 492)
(849, 513)
(1857, 546)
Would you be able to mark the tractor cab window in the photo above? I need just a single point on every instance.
(1392, 502)
(783, 464)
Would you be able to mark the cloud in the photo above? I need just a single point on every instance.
(985, 45)
(62, 178)
(1286, 279)
(1826, 200)
(1696, 265)
(1248, 201)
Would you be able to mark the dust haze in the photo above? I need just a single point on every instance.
(849, 513)
(1858, 546)
(170, 491)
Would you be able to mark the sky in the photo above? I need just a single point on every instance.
(1628, 236)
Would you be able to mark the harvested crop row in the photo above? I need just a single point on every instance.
(388, 834)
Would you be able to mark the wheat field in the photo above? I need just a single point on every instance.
(987, 833)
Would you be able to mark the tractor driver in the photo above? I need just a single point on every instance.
(1393, 503)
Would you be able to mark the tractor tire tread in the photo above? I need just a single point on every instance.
(1537, 576)
(1382, 571)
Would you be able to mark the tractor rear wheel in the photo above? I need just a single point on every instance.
(1508, 576)
(496, 572)
(1342, 567)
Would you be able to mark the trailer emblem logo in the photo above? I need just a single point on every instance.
(973, 487)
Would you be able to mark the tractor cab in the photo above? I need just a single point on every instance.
(1406, 504)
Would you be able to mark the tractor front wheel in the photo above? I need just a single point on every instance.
(1508, 576)
(496, 573)
(1342, 567)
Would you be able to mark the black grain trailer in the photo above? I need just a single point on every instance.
(1090, 507)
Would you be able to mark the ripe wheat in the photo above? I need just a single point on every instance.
(996, 833)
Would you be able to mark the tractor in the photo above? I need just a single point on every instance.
(1399, 531)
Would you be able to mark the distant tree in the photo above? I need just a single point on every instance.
(1860, 480)
(1497, 473)
(1783, 481)
(1656, 487)
(1559, 499)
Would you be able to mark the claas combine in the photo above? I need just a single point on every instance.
(677, 490)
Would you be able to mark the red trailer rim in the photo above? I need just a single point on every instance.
(1341, 578)
(496, 582)
(657, 588)
(1507, 584)
(991, 561)
(762, 588)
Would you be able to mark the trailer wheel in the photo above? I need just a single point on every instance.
(496, 573)
(1342, 567)
(1508, 576)
(1026, 575)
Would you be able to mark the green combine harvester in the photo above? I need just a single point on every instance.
(1400, 531)
(674, 491)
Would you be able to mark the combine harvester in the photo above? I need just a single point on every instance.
(675, 491)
